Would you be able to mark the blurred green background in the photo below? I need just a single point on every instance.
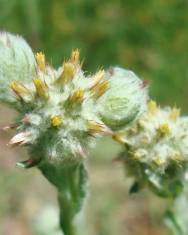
(149, 37)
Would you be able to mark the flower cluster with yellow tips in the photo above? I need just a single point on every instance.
(62, 111)
(156, 149)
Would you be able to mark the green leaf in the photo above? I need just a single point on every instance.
(171, 221)
(135, 188)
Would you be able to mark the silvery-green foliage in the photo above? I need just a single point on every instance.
(17, 62)
(125, 101)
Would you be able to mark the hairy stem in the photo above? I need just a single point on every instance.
(71, 184)
(66, 215)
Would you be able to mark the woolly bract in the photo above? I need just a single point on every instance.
(17, 62)
(124, 101)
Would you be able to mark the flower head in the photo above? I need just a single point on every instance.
(156, 150)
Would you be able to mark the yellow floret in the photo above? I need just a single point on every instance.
(174, 114)
(152, 107)
(100, 88)
(40, 57)
(56, 121)
(164, 129)
(18, 88)
(75, 56)
(77, 96)
(97, 77)
(41, 88)
(68, 73)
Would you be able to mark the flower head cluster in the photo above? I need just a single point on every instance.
(156, 149)
(61, 111)
(58, 111)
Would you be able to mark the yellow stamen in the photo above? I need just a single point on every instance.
(158, 161)
(142, 123)
(133, 130)
(164, 129)
(100, 88)
(119, 138)
(139, 153)
(75, 56)
(177, 157)
(77, 96)
(18, 88)
(152, 107)
(41, 88)
(68, 73)
(40, 57)
(56, 121)
(98, 77)
(145, 139)
(174, 114)
(97, 128)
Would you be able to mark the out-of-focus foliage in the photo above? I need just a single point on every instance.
(149, 36)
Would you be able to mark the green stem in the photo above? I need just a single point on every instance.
(71, 184)
(66, 216)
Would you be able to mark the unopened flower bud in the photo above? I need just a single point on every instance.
(17, 62)
(125, 99)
